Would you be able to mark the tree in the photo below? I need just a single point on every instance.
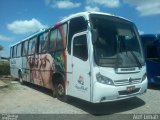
(1, 47)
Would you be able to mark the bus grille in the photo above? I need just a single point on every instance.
(124, 92)
(127, 81)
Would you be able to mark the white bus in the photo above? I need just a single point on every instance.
(93, 56)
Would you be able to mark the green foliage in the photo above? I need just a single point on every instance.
(4, 68)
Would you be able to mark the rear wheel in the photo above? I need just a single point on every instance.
(60, 91)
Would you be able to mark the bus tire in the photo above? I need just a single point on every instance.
(60, 91)
(20, 77)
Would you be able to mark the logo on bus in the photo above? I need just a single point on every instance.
(130, 80)
(80, 85)
(81, 80)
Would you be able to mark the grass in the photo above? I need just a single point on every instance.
(4, 68)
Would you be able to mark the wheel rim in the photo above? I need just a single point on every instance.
(60, 89)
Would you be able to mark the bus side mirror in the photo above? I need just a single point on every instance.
(94, 36)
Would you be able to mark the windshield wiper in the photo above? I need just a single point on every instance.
(121, 41)
(135, 57)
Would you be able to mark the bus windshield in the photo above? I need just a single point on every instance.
(151, 45)
(117, 44)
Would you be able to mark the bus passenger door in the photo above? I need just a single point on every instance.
(80, 67)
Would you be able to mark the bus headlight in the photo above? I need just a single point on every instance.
(104, 80)
(144, 77)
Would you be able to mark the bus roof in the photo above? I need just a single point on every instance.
(30, 36)
(153, 36)
(86, 14)
(66, 19)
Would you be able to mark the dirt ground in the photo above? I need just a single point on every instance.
(30, 99)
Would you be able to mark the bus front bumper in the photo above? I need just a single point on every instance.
(105, 93)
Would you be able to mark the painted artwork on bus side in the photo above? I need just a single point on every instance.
(39, 68)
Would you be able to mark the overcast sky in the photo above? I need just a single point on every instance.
(20, 18)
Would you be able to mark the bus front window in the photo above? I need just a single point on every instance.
(117, 43)
(153, 51)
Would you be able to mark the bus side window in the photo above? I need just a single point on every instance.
(59, 41)
(19, 50)
(80, 49)
(11, 52)
(14, 51)
(24, 48)
(61, 37)
(32, 46)
(58, 38)
(43, 43)
(76, 25)
(53, 39)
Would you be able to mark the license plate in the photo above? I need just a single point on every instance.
(130, 88)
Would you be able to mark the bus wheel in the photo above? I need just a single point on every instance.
(60, 90)
(20, 78)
